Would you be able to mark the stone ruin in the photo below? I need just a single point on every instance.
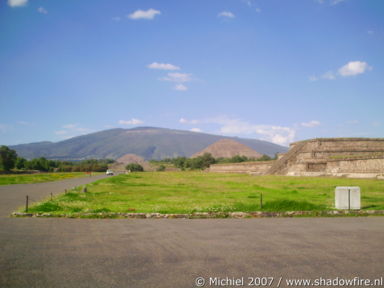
(339, 157)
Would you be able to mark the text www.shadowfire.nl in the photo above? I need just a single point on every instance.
(280, 282)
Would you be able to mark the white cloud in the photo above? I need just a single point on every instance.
(195, 130)
(72, 130)
(226, 14)
(42, 10)
(258, 10)
(370, 32)
(163, 66)
(185, 121)
(335, 2)
(17, 3)
(310, 124)
(354, 68)
(177, 77)
(61, 132)
(116, 18)
(331, 2)
(249, 3)
(352, 122)
(313, 78)
(277, 134)
(24, 123)
(180, 87)
(328, 76)
(133, 121)
(69, 126)
(141, 14)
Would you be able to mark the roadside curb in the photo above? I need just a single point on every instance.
(208, 215)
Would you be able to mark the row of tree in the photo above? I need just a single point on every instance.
(239, 159)
(204, 161)
(9, 160)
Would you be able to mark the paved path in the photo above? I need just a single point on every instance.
(54, 252)
(12, 196)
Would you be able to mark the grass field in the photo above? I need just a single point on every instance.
(187, 192)
(38, 178)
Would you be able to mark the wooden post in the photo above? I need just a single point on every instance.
(51, 196)
(349, 199)
(261, 200)
(26, 204)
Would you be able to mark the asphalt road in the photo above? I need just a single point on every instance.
(49, 252)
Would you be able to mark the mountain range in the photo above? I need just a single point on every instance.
(147, 142)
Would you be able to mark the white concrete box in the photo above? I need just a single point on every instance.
(347, 197)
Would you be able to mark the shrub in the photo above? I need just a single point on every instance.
(200, 162)
(134, 167)
(264, 158)
(161, 168)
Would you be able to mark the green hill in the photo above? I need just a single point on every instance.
(147, 142)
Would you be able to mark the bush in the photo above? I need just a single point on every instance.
(20, 163)
(265, 158)
(161, 168)
(134, 167)
(200, 162)
(7, 158)
(180, 162)
(40, 164)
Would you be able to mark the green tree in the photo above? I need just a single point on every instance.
(200, 162)
(207, 159)
(264, 158)
(134, 167)
(238, 159)
(20, 163)
(180, 162)
(161, 168)
(7, 158)
(40, 164)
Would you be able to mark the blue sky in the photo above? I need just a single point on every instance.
(280, 71)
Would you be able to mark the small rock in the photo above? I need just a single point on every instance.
(238, 214)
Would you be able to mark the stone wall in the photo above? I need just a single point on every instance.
(255, 168)
(346, 157)
(363, 157)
